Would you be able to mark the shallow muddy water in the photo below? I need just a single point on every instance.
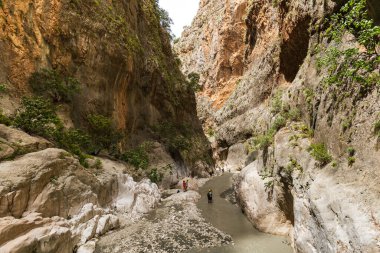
(226, 216)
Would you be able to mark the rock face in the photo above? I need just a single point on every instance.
(282, 189)
(50, 203)
(119, 53)
(325, 210)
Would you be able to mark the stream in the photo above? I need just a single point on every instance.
(228, 217)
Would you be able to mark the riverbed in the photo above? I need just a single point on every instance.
(185, 222)
(225, 215)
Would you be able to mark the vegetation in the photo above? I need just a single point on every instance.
(210, 131)
(5, 119)
(351, 153)
(102, 132)
(346, 124)
(37, 116)
(320, 153)
(193, 81)
(138, 157)
(165, 19)
(98, 164)
(263, 141)
(354, 18)
(278, 123)
(76, 142)
(351, 160)
(276, 104)
(377, 128)
(294, 114)
(155, 177)
(3, 88)
(293, 164)
(49, 83)
(174, 136)
(351, 70)
(309, 95)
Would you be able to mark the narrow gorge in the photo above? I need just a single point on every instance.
(104, 117)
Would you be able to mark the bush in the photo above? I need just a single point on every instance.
(263, 141)
(294, 114)
(377, 128)
(51, 84)
(320, 153)
(3, 88)
(102, 131)
(351, 151)
(175, 136)
(75, 141)
(276, 103)
(193, 81)
(154, 176)
(346, 125)
(278, 123)
(37, 116)
(138, 157)
(4, 119)
(351, 161)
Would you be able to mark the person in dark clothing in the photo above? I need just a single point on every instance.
(209, 196)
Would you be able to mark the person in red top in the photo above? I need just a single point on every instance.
(184, 185)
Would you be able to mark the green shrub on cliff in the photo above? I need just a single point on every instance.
(174, 136)
(102, 132)
(75, 141)
(154, 176)
(4, 119)
(278, 123)
(351, 73)
(193, 81)
(49, 83)
(354, 18)
(138, 157)
(320, 153)
(3, 88)
(37, 116)
(276, 103)
(376, 128)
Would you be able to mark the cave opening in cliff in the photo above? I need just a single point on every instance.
(294, 49)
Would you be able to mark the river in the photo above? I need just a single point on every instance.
(228, 217)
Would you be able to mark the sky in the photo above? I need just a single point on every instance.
(181, 12)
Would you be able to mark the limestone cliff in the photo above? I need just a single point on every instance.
(294, 61)
(119, 53)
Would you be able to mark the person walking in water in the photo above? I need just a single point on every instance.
(209, 196)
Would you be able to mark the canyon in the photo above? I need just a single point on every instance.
(102, 116)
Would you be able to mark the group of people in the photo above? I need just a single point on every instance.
(185, 185)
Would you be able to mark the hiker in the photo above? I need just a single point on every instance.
(184, 185)
(187, 184)
(209, 196)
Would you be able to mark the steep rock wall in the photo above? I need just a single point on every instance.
(281, 75)
(117, 50)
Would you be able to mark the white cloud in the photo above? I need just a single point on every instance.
(181, 12)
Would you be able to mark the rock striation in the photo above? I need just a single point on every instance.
(119, 53)
(50, 203)
(281, 79)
